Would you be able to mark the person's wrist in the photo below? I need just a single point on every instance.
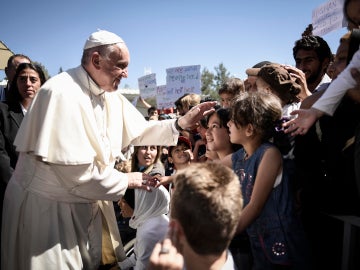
(177, 126)
(318, 113)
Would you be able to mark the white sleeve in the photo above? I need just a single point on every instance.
(329, 101)
(88, 181)
(158, 133)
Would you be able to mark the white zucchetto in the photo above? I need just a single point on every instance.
(102, 37)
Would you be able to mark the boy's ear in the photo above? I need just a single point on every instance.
(170, 160)
(177, 231)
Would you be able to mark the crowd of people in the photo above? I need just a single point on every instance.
(250, 181)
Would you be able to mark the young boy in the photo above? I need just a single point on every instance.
(206, 206)
(180, 156)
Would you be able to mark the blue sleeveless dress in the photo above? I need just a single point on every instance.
(276, 235)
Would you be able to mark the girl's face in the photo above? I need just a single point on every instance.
(226, 99)
(180, 154)
(28, 83)
(146, 155)
(237, 135)
(126, 210)
(217, 136)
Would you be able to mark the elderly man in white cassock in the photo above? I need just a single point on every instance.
(58, 211)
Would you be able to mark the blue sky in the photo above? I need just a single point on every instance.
(162, 33)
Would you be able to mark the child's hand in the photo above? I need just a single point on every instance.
(162, 180)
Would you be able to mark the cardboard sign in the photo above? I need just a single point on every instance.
(182, 80)
(328, 17)
(147, 85)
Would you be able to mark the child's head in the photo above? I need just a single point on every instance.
(183, 143)
(207, 203)
(277, 79)
(218, 130)
(184, 103)
(181, 152)
(152, 111)
(230, 89)
(254, 114)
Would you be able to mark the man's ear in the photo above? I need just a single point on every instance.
(95, 60)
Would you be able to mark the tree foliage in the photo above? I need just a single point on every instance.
(207, 82)
(211, 82)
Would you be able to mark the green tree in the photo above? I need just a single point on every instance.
(212, 82)
(60, 70)
(221, 76)
(207, 82)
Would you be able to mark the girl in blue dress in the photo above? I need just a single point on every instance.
(276, 236)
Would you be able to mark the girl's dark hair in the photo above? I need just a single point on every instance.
(129, 197)
(261, 110)
(224, 115)
(13, 95)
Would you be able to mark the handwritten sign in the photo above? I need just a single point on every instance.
(182, 80)
(147, 85)
(163, 100)
(328, 17)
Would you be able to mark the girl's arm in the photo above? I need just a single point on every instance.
(269, 168)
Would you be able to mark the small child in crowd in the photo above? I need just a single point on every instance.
(229, 90)
(276, 235)
(180, 156)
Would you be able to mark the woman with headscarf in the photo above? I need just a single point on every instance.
(148, 216)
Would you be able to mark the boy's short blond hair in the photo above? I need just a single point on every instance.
(207, 202)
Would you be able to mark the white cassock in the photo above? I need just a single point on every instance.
(65, 180)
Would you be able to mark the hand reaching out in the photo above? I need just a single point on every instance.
(302, 123)
(141, 180)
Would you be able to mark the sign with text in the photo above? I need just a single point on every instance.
(163, 100)
(147, 85)
(328, 17)
(182, 80)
